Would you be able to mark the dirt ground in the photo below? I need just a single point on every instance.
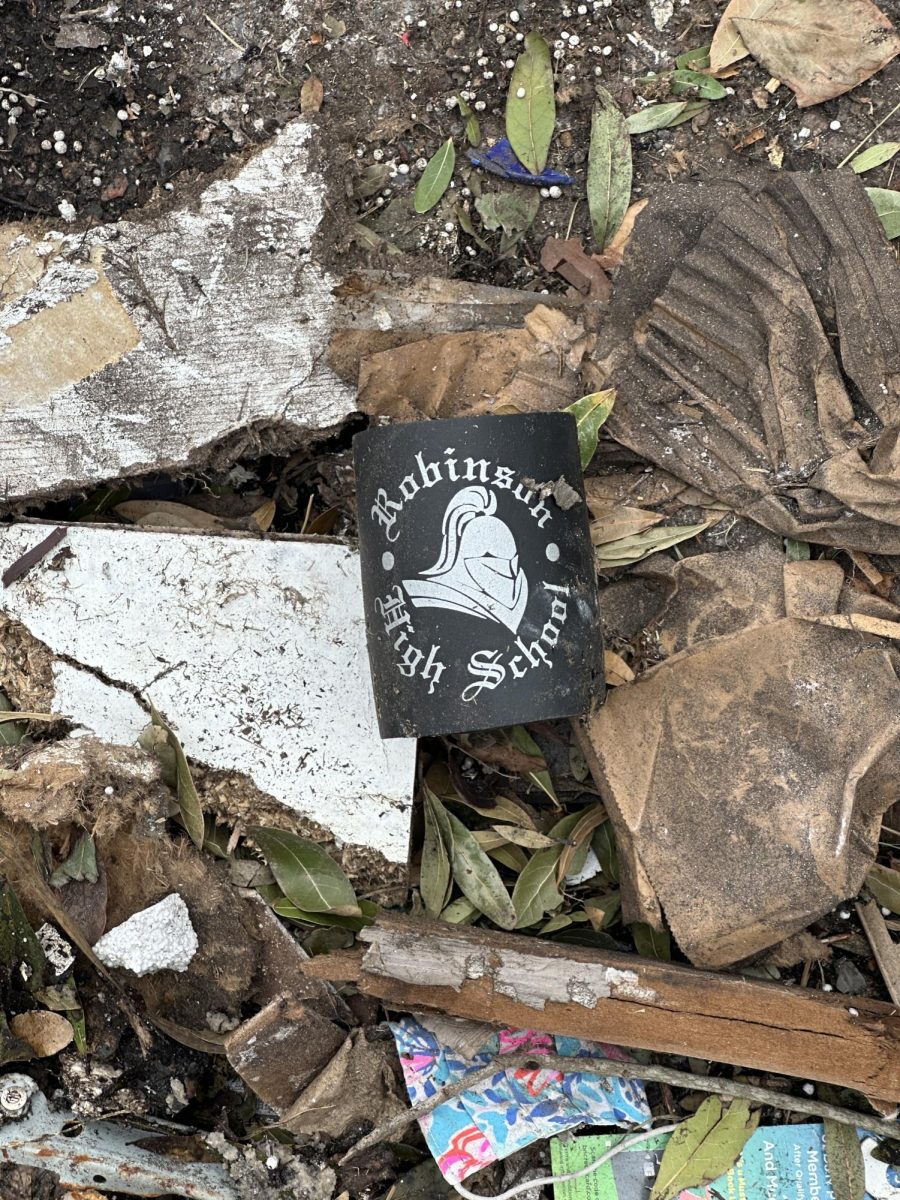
(165, 92)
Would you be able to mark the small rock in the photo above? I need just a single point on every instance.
(159, 938)
(850, 980)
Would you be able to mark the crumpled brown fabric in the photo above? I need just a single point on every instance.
(746, 775)
(758, 358)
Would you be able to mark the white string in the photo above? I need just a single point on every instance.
(531, 1184)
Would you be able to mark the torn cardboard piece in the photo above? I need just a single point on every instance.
(535, 367)
(749, 755)
(253, 649)
(764, 366)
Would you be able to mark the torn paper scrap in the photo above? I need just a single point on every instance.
(516, 1107)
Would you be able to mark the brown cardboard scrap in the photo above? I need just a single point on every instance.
(764, 365)
(535, 367)
(744, 778)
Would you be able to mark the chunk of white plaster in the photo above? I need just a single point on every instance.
(158, 938)
(252, 649)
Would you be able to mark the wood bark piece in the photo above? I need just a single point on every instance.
(280, 1049)
(507, 979)
(254, 650)
(885, 949)
(766, 370)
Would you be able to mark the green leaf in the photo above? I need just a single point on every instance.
(81, 865)
(704, 1147)
(435, 178)
(305, 873)
(473, 129)
(884, 884)
(465, 224)
(11, 731)
(603, 843)
(603, 910)
(477, 877)
(654, 116)
(434, 881)
(639, 546)
(188, 800)
(844, 1158)
(693, 60)
(887, 205)
(216, 838)
(63, 997)
(460, 912)
(652, 943)
(513, 858)
(530, 105)
(560, 921)
(536, 892)
(522, 740)
(608, 169)
(531, 839)
(283, 907)
(590, 412)
(705, 86)
(511, 211)
(20, 949)
(796, 551)
(875, 156)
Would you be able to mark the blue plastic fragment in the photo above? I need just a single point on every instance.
(501, 160)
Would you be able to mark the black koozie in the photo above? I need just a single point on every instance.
(478, 573)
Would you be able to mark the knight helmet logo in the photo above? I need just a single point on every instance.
(478, 569)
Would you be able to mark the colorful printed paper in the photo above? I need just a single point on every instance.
(516, 1107)
(779, 1162)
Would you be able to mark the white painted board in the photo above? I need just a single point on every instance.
(253, 649)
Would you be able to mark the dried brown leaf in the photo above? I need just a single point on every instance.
(616, 669)
(820, 48)
(312, 95)
(620, 521)
(45, 1032)
(614, 254)
(727, 44)
(582, 832)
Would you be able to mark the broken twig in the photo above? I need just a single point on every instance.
(886, 951)
(32, 557)
(625, 1070)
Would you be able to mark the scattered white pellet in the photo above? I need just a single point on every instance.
(826, 987)
(844, 914)
(809, 1089)
(804, 132)
(834, 125)
(77, 146)
(885, 912)
(514, 16)
(46, 144)
(854, 1012)
(403, 168)
(574, 39)
(509, 63)
(493, 27)
(272, 1160)
(520, 92)
(58, 135)
(60, 147)
(545, 193)
(555, 192)
(122, 114)
(449, 226)
(480, 106)
(607, 50)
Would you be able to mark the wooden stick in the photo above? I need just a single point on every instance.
(886, 951)
(525, 983)
(624, 1070)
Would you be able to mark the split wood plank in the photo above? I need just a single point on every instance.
(506, 979)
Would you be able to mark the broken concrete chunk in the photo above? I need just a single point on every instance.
(281, 1049)
(159, 938)
(162, 336)
(253, 650)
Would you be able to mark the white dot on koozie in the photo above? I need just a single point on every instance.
(552, 552)
(387, 560)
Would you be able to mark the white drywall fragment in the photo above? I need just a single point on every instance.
(158, 938)
(253, 649)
